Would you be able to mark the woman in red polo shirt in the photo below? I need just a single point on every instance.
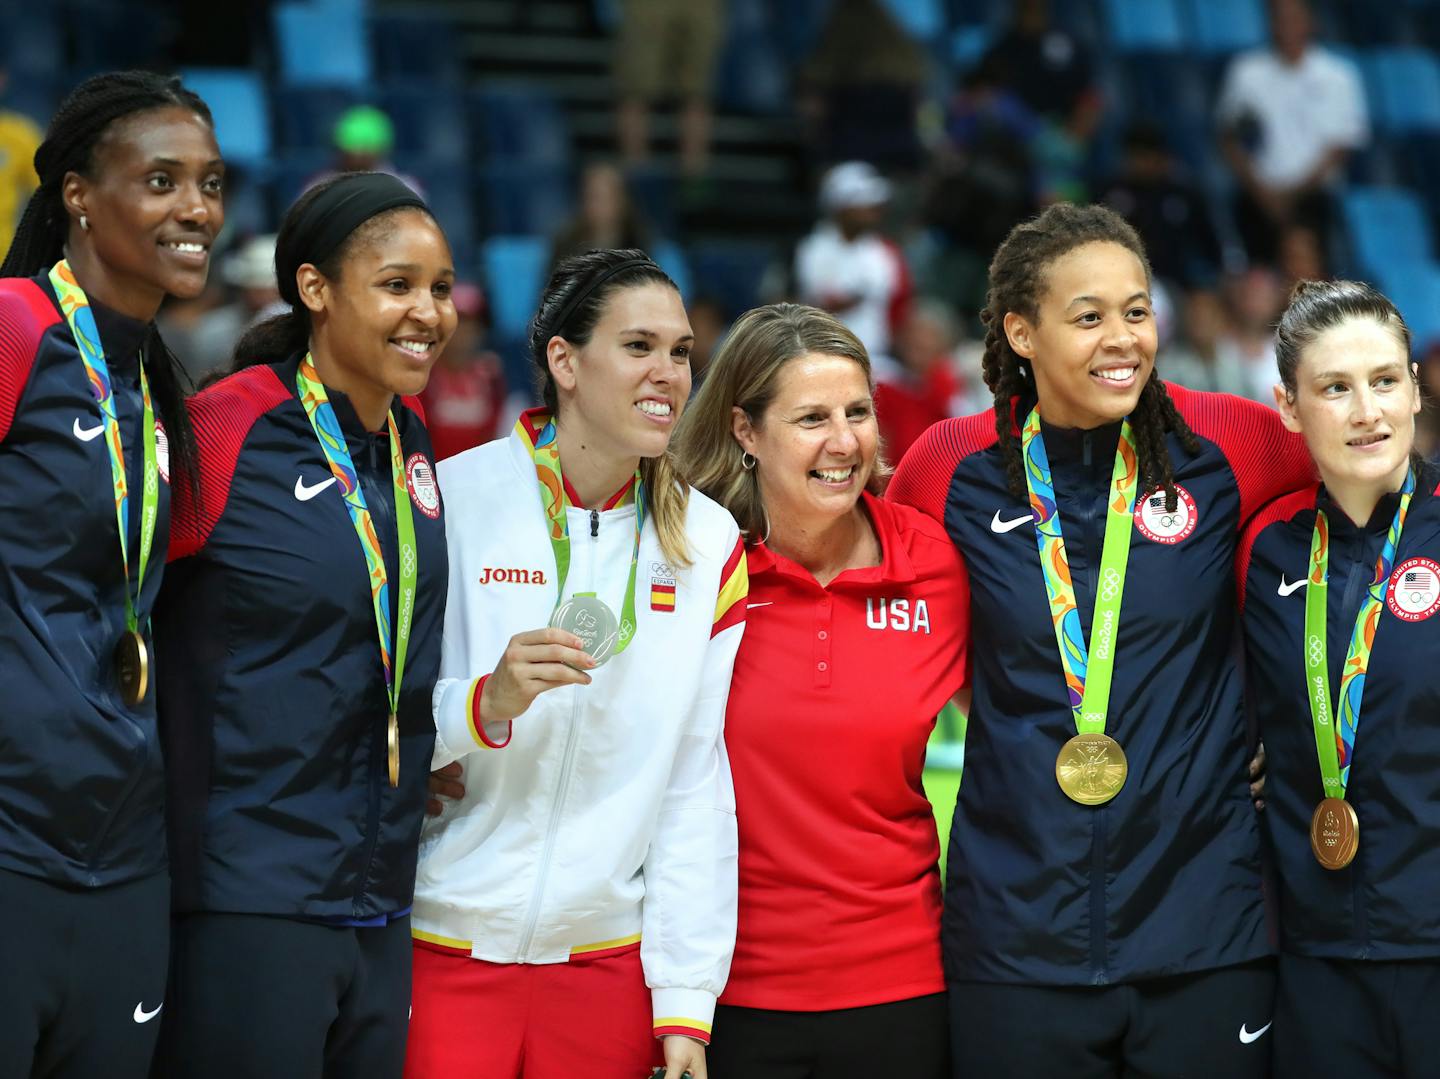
(856, 636)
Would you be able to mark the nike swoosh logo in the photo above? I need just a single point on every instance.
(1286, 587)
(306, 493)
(1246, 1037)
(1000, 527)
(752, 606)
(142, 1016)
(87, 434)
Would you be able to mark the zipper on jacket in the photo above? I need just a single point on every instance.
(567, 767)
(1099, 832)
(377, 498)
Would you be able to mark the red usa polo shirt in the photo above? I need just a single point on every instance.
(833, 698)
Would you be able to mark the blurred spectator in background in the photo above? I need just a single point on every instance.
(667, 49)
(363, 139)
(709, 322)
(1152, 192)
(1302, 256)
(861, 87)
(250, 274)
(19, 139)
(1255, 300)
(846, 267)
(981, 183)
(1051, 72)
(1289, 116)
(1207, 356)
(465, 398)
(607, 216)
(921, 385)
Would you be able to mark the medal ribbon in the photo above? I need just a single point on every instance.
(75, 305)
(1335, 743)
(1088, 668)
(545, 452)
(337, 456)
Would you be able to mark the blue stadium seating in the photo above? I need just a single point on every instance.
(1225, 26)
(429, 122)
(239, 104)
(449, 191)
(1387, 226)
(1145, 25)
(731, 271)
(518, 122)
(924, 20)
(322, 45)
(515, 275)
(1415, 290)
(1407, 86)
(517, 197)
(416, 47)
(669, 256)
(308, 113)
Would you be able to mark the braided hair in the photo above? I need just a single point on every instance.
(1017, 283)
(83, 118)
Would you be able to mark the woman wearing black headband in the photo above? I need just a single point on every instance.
(575, 911)
(90, 419)
(300, 640)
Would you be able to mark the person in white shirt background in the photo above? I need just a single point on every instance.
(1289, 115)
(845, 266)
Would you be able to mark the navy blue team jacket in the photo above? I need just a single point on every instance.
(273, 705)
(1165, 878)
(80, 772)
(1383, 905)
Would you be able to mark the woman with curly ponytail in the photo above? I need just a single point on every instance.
(91, 423)
(1104, 864)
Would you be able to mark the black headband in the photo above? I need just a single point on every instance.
(583, 293)
(337, 211)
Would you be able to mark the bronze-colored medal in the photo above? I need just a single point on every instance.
(132, 667)
(1091, 768)
(392, 734)
(1334, 833)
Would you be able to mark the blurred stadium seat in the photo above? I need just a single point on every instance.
(322, 45)
(514, 275)
(241, 109)
(1226, 26)
(1145, 25)
(1387, 226)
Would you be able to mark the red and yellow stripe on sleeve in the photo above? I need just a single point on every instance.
(734, 587)
(691, 1028)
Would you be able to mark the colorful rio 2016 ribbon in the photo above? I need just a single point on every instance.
(1335, 743)
(75, 305)
(337, 455)
(1091, 767)
(537, 430)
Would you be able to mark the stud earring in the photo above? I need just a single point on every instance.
(84, 223)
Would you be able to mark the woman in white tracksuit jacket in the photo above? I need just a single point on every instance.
(575, 909)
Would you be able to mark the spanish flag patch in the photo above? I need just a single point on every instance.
(662, 595)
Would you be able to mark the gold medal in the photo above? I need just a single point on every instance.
(1334, 833)
(1091, 768)
(132, 667)
(392, 732)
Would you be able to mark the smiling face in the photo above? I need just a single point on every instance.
(1355, 403)
(153, 206)
(382, 322)
(1092, 343)
(621, 392)
(815, 444)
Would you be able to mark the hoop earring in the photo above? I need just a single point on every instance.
(747, 462)
(84, 223)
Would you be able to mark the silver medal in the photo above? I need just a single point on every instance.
(592, 621)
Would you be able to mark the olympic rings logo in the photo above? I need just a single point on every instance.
(407, 560)
(1317, 650)
(1171, 520)
(1110, 585)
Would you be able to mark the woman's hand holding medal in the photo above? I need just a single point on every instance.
(533, 662)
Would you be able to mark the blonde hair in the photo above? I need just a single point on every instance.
(572, 304)
(745, 373)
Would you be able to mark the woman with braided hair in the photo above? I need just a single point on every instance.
(1103, 912)
(90, 416)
